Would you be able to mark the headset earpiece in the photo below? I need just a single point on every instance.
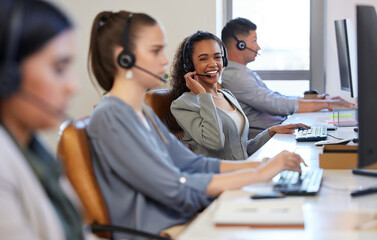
(189, 67)
(126, 59)
(225, 55)
(10, 80)
(187, 63)
(241, 45)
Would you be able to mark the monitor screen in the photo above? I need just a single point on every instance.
(367, 79)
(347, 59)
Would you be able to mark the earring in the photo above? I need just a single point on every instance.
(129, 74)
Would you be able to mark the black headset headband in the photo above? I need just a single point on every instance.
(126, 31)
(126, 59)
(9, 70)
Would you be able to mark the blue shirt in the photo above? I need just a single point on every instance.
(147, 184)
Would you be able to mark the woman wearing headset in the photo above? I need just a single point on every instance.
(37, 46)
(212, 119)
(149, 179)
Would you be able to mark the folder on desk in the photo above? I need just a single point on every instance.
(286, 212)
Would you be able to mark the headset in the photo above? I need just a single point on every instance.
(241, 45)
(188, 65)
(10, 74)
(126, 59)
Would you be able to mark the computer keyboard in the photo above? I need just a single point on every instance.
(311, 134)
(292, 183)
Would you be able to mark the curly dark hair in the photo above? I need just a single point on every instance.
(177, 71)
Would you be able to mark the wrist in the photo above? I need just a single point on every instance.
(264, 161)
(264, 172)
(271, 131)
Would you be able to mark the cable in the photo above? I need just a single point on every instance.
(345, 189)
(336, 188)
(335, 137)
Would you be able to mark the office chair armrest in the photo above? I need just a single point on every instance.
(112, 228)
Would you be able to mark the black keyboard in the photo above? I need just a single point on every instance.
(292, 183)
(311, 134)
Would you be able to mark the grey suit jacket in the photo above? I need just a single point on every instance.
(211, 131)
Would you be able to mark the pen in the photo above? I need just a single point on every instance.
(364, 192)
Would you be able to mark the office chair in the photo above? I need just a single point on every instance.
(74, 151)
(160, 100)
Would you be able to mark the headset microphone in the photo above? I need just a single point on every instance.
(252, 50)
(43, 105)
(203, 75)
(150, 73)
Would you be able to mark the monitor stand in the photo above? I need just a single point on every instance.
(365, 191)
(363, 172)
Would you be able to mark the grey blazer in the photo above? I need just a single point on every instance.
(210, 131)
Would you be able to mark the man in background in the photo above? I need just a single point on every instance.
(263, 107)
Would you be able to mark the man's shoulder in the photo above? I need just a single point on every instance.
(234, 77)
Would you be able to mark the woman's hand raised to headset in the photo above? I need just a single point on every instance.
(192, 82)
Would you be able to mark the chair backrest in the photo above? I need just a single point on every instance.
(160, 100)
(74, 151)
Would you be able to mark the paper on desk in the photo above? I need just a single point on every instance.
(268, 212)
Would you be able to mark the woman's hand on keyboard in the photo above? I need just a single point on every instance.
(283, 161)
(286, 129)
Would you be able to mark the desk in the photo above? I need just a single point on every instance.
(331, 214)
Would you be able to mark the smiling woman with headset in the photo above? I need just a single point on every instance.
(37, 46)
(149, 179)
(212, 118)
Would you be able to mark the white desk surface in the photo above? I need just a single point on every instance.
(331, 214)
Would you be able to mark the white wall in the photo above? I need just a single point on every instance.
(180, 18)
(338, 9)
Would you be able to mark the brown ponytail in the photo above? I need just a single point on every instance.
(106, 34)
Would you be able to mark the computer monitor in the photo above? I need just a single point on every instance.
(347, 57)
(367, 84)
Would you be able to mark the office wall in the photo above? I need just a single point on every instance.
(180, 18)
(338, 9)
